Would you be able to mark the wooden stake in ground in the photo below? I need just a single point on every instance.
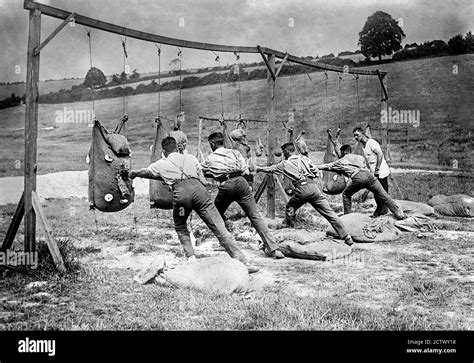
(51, 242)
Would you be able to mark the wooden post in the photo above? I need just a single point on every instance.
(50, 241)
(31, 127)
(271, 133)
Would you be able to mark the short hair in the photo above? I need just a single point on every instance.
(288, 146)
(216, 138)
(168, 144)
(359, 129)
(346, 149)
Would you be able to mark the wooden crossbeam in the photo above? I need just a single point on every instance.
(54, 33)
(132, 33)
(320, 65)
(51, 242)
(15, 224)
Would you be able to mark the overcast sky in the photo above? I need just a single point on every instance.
(320, 27)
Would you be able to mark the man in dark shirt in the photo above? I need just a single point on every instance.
(302, 172)
(182, 172)
(354, 167)
(228, 167)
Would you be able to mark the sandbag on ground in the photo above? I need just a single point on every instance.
(305, 245)
(458, 205)
(218, 274)
(415, 207)
(416, 223)
(363, 228)
(110, 189)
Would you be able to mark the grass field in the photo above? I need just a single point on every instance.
(414, 283)
(410, 284)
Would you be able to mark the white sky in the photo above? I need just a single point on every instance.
(320, 27)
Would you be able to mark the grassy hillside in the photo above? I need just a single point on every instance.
(427, 85)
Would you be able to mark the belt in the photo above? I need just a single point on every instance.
(228, 176)
(298, 183)
(182, 180)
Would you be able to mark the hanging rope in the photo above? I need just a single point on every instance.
(356, 76)
(180, 56)
(339, 97)
(88, 32)
(238, 81)
(326, 96)
(125, 56)
(159, 79)
(220, 82)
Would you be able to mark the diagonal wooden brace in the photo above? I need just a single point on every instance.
(55, 32)
(270, 69)
(281, 65)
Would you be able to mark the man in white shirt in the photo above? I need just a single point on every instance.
(377, 164)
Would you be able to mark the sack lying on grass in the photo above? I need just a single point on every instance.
(416, 223)
(110, 189)
(302, 244)
(363, 228)
(218, 274)
(458, 205)
(414, 207)
(161, 195)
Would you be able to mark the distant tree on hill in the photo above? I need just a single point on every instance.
(346, 52)
(123, 77)
(115, 80)
(469, 40)
(381, 35)
(456, 45)
(134, 76)
(94, 78)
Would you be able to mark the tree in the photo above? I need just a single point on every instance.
(94, 78)
(134, 76)
(380, 36)
(456, 45)
(469, 40)
(123, 77)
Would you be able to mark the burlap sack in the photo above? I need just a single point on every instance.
(415, 207)
(333, 183)
(363, 228)
(305, 245)
(458, 205)
(110, 189)
(161, 196)
(218, 275)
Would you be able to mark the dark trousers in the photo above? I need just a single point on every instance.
(189, 195)
(365, 180)
(310, 193)
(237, 190)
(382, 209)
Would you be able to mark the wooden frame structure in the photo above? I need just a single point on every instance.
(29, 204)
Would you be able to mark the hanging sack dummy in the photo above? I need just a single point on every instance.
(333, 183)
(161, 196)
(110, 189)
